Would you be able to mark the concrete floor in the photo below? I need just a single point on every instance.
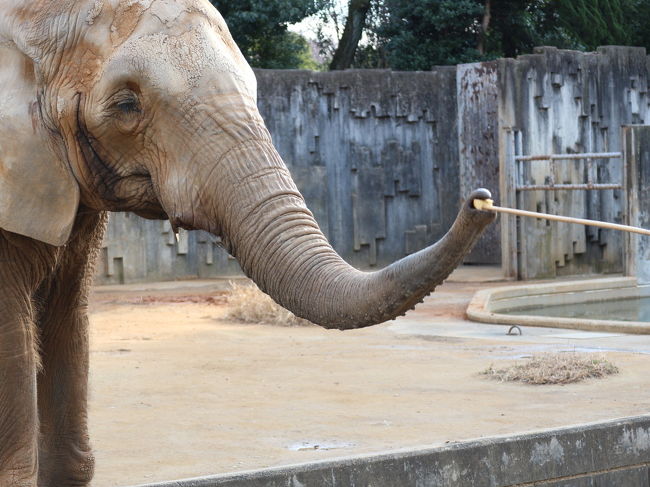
(178, 391)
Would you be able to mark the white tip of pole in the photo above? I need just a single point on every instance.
(483, 204)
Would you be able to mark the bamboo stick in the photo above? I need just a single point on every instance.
(488, 205)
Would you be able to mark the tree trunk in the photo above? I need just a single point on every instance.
(485, 26)
(347, 48)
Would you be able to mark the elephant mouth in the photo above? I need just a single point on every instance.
(141, 190)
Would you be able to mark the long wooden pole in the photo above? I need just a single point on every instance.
(488, 205)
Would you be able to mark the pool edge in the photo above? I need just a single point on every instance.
(484, 306)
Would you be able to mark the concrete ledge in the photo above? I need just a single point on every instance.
(488, 306)
(614, 453)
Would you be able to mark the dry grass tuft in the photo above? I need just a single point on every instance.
(250, 305)
(555, 368)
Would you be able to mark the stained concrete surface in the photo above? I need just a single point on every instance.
(609, 454)
(178, 391)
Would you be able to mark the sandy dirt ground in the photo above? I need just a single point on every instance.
(178, 391)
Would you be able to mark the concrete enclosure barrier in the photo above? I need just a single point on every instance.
(615, 453)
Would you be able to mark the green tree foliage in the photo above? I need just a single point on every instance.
(640, 24)
(594, 23)
(419, 34)
(259, 28)
(517, 26)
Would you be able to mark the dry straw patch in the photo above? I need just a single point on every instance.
(248, 304)
(555, 368)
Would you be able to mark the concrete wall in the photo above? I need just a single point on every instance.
(636, 144)
(385, 158)
(477, 89)
(612, 454)
(138, 250)
(374, 152)
(554, 102)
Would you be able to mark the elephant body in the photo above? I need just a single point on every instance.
(146, 106)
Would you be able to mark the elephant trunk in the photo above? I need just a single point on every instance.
(265, 224)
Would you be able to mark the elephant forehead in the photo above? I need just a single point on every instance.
(128, 16)
(193, 58)
(122, 8)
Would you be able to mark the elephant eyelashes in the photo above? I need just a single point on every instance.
(126, 110)
(128, 106)
(126, 103)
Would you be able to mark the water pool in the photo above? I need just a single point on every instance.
(615, 305)
(631, 309)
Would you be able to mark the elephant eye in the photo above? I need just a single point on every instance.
(128, 106)
(126, 103)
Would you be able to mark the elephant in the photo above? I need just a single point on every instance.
(146, 106)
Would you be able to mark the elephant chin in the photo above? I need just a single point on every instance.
(264, 223)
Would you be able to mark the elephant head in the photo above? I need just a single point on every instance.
(148, 106)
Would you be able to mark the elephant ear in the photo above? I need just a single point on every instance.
(38, 194)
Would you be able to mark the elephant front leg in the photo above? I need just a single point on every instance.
(66, 458)
(18, 416)
(24, 265)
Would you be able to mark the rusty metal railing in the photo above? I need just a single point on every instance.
(516, 183)
(551, 158)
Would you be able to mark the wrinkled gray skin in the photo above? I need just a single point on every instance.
(145, 106)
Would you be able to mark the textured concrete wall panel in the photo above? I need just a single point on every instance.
(637, 160)
(478, 140)
(384, 142)
(566, 102)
